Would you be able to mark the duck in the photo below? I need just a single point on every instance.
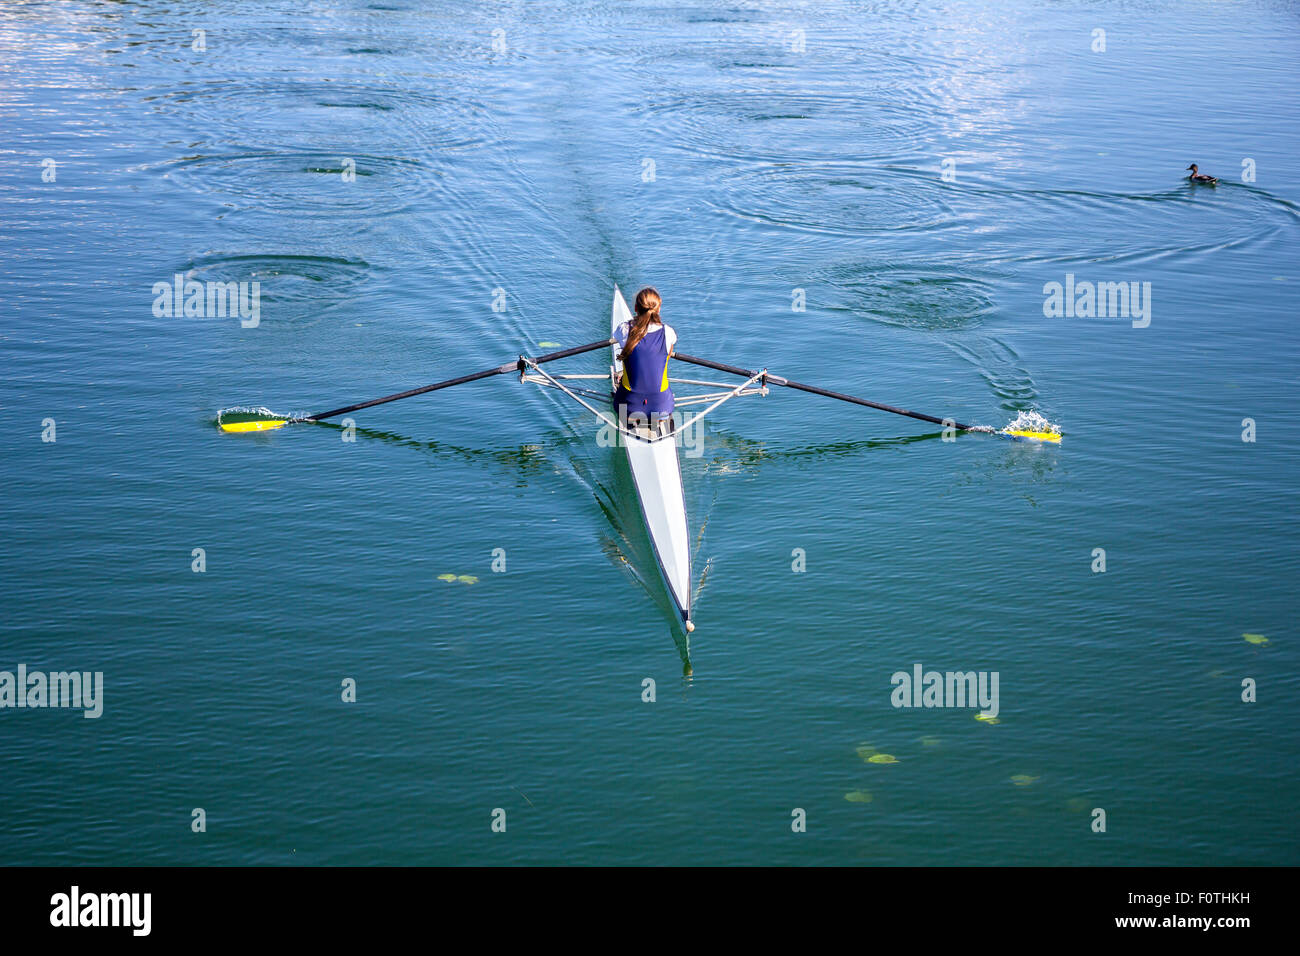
(1199, 177)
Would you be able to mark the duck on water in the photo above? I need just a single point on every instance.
(1200, 177)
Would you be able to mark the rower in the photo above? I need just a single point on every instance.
(643, 395)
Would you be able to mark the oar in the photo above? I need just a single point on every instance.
(827, 393)
(516, 366)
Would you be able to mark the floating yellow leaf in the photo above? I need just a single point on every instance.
(447, 577)
(1255, 639)
(858, 796)
(467, 579)
(929, 741)
(548, 345)
(866, 751)
(1022, 779)
(987, 719)
(882, 758)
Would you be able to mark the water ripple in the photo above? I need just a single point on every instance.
(828, 197)
(294, 289)
(304, 183)
(354, 115)
(925, 298)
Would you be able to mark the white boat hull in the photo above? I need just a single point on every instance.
(657, 475)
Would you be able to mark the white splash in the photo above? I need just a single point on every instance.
(1032, 422)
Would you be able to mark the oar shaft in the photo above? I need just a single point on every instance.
(827, 393)
(515, 366)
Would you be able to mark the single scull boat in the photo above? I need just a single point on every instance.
(657, 474)
(651, 455)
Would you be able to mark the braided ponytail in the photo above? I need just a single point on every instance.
(647, 313)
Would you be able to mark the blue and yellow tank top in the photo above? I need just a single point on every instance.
(644, 386)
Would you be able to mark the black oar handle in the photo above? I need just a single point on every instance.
(778, 380)
(516, 366)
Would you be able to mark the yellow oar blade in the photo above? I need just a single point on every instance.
(247, 418)
(260, 425)
(1035, 436)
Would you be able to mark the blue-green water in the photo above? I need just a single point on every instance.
(729, 154)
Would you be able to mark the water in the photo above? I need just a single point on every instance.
(693, 147)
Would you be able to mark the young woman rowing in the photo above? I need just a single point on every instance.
(643, 394)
